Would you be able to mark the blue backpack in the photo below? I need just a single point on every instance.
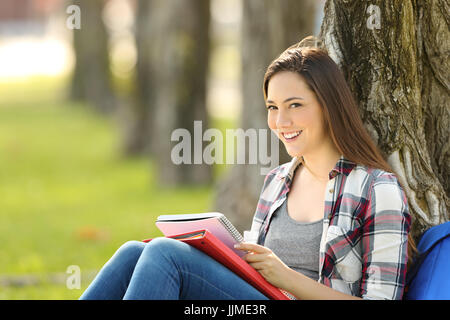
(429, 276)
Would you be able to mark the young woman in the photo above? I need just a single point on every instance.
(333, 223)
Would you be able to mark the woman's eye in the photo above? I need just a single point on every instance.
(296, 105)
(271, 107)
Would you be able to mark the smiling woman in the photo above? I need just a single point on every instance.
(310, 73)
(337, 177)
(333, 223)
(297, 120)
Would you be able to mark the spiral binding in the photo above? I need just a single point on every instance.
(289, 295)
(231, 229)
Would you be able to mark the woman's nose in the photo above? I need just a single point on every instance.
(283, 120)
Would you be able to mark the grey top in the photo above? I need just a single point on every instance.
(295, 243)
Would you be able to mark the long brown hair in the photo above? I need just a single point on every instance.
(340, 110)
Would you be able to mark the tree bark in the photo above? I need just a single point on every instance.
(394, 55)
(268, 27)
(91, 79)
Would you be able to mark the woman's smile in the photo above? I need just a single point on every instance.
(291, 136)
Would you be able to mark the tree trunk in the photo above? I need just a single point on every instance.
(91, 79)
(394, 55)
(135, 117)
(268, 27)
(180, 55)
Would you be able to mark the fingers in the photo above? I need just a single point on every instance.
(255, 257)
(258, 265)
(246, 246)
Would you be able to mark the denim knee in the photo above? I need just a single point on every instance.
(131, 249)
(164, 244)
(166, 247)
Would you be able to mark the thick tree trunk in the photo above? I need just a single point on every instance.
(268, 27)
(395, 56)
(91, 79)
(180, 55)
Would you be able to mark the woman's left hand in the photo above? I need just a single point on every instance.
(264, 261)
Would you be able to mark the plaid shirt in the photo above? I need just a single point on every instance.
(363, 249)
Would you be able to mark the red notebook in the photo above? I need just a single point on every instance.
(206, 242)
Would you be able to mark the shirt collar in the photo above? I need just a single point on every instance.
(343, 166)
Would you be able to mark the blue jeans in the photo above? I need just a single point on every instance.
(166, 269)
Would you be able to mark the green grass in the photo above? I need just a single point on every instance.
(67, 197)
(41, 292)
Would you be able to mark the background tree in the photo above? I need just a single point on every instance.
(135, 118)
(268, 27)
(91, 78)
(395, 56)
(175, 63)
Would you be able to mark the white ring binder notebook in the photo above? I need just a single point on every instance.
(215, 222)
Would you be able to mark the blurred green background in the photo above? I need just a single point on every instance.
(86, 116)
(67, 196)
